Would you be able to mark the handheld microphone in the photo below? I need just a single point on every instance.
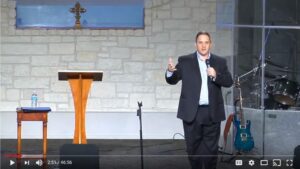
(208, 66)
(207, 63)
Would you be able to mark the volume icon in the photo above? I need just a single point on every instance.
(39, 162)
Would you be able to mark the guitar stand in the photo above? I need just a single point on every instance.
(238, 123)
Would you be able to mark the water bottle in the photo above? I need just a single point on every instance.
(34, 99)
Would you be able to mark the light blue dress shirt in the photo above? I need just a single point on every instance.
(204, 87)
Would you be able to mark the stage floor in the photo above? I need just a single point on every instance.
(120, 154)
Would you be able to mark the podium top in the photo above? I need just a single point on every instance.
(75, 74)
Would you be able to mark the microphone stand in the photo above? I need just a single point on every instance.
(260, 56)
(250, 71)
(262, 83)
(139, 113)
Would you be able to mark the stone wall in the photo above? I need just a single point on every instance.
(133, 61)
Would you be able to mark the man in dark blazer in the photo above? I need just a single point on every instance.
(201, 105)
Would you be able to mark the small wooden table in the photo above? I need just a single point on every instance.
(33, 114)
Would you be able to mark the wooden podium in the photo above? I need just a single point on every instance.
(80, 83)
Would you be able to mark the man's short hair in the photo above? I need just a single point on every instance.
(202, 33)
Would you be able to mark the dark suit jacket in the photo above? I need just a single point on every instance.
(188, 71)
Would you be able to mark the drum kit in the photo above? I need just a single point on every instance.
(280, 91)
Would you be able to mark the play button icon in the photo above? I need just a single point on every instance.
(11, 162)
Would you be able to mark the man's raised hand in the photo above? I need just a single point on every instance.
(171, 66)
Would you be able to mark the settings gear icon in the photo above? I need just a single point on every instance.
(251, 163)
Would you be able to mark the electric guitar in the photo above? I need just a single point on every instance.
(243, 139)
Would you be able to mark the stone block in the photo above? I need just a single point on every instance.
(133, 67)
(142, 54)
(185, 48)
(201, 15)
(124, 87)
(45, 60)
(15, 59)
(22, 70)
(59, 86)
(126, 78)
(46, 39)
(12, 94)
(165, 50)
(9, 105)
(157, 25)
(62, 48)
(193, 3)
(86, 56)
(181, 13)
(31, 82)
(162, 14)
(154, 65)
(177, 3)
(144, 88)
(15, 39)
(6, 80)
(88, 46)
(108, 43)
(123, 95)
(139, 32)
(103, 90)
(106, 104)
(118, 52)
(67, 58)
(137, 42)
(81, 66)
(56, 97)
(160, 37)
(7, 68)
(44, 71)
(163, 92)
(182, 35)
(24, 49)
(63, 106)
(109, 64)
(154, 77)
(83, 39)
(178, 24)
(148, 19)
(99, 38)
(167, 104)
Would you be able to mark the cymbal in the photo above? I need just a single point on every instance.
(272, 63)
(286, 71)
(269, 62)
(267, 74)
(270, 75)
